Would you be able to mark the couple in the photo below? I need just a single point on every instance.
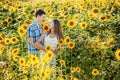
(37, 40)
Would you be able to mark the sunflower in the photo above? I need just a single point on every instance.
(47, 72)
(24, 27)
(95, 10)
(78, 69)
(62, 62)
(7, 41)
(83, 25)
(95, 72)
(21, 32)
(45, 28)
(48, 47)
(2, 43)
(61, 42)
(9, 19)
(102, 18)
(71, 23)
(117, 54)
(49, 55)
(5, 23)
(67, 40)
(14, 40)
(15, 51)
(2, 36)
(71, 45)
(43, 75)
(26, 68)
(22, 61)
(72, 69)
(15, 57)
(34, 59)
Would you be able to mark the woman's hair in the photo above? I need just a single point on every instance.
(58, 30)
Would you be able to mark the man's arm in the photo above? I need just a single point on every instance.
(30, 39)
(37, 43)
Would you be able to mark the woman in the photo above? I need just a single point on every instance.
(52, 38)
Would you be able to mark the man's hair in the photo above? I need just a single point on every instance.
(39, 12)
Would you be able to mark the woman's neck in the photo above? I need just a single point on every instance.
(52, 32)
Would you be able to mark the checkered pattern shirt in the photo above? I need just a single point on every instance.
(34, 31)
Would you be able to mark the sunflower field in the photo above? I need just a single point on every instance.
(90, 49)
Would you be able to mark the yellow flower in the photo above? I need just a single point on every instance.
(5, 23)
(48, 47)
(67, 40)
(72, 69)
(61, 42)
(117, 54)
(9, 19)
(15, 57)
(95, 72)
(95, 10)
(7, 41)
(78, 69)
(45, 28)
(83, 25)
(15, 51)
(2, 36)
(26, 68)
(2, 44)
(49, 55)
(21, 32)
(47, 72)
(71, 45)
(24, 27)
(34, 59)
(14, 40)
(43, 75)
(71, 23)
(102, 18)
(22, 61)
(62, 62)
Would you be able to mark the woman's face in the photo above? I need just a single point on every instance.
(51, 24)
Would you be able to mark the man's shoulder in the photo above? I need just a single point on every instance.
(32, 26)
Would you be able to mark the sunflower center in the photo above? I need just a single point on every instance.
(25, 27)
(71, 23)
(46, 27)
(34, 59)
(119, 54)
(14, 40)
(71, 45)
(102, 18)
(21, 31)
(67, 40)
(49, 55)
(95, 11)
(15, 51)
(95, 72)
(21, 61)
(83, 25)
(7, 41)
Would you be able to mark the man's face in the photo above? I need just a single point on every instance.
(41, 18)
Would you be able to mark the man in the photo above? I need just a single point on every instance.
(35, 31)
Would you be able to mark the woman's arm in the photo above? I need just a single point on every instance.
(37, 43)
(57, 49)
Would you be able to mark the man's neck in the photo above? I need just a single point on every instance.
(37, 21)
